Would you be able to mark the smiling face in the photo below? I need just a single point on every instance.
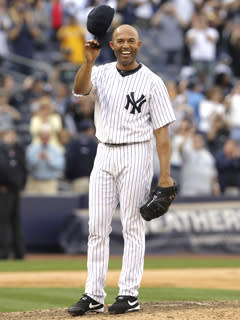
(126, 44)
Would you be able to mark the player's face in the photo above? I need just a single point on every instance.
(125, 45)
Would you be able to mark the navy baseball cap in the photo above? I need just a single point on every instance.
(99, 20)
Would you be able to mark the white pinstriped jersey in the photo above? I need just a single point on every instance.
(127, 108)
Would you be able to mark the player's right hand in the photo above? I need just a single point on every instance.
(92, 50)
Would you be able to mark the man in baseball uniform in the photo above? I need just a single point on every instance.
(132, 106)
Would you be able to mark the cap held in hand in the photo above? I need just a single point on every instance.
(99, 20)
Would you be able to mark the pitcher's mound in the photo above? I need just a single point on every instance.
(187, 310)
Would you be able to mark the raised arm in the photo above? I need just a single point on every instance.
(82, 81)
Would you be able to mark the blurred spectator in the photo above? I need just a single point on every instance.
(64, 137)
(185, 10)
(216, 16)
(218, 133)
(9, 85)
(15, 6)
(182, 135)
(189, 95)
(57, 18)
(183, 112)
(21, 95)
(223, 64)
(75, 7)
(33, 88)
(198, 173)
(228, 166)
(42, 18)
(45, 164)
(234, 48)
(195, 96)
(171, 38)
(233, 111)
(234, 11)
(48, 91)
(8, 114)
(213, 104)
(13, 175)
(60, 98)
(22, 35)
(5, 24)
(202, 40)
(80, 155)
(72, 38)
(46, 116)
(187, 72)
(63, 69)
(143, 12)
(84, 109)
(69, 120)
(223, 74)
(127, 10)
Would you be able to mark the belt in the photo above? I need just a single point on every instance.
(122, 144)
(117, 144)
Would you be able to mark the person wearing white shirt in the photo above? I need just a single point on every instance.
(233, 106)
(199, 174)
(201, 40)
(209, 107)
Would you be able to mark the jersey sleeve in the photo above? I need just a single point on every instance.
(95, 76)
(161, 109)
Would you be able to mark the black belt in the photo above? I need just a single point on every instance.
(122, 144)
(118, 144)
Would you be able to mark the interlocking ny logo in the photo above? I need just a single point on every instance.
(136, 105)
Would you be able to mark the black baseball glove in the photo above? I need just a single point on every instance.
(159, 202)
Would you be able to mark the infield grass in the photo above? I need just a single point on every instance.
(23, 299)
(115, 263)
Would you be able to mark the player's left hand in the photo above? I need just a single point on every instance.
(159, 202)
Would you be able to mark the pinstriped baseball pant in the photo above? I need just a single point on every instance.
(121, 174)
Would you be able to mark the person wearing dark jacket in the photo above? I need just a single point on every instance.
(13, 175)
(80, 155)
(228, 166)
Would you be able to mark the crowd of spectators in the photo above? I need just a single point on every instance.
(193, 44)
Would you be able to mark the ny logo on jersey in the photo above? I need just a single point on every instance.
(136, 105)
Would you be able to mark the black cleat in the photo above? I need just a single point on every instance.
(124, 304)
(85, 304)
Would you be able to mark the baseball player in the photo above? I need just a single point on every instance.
(132, 103)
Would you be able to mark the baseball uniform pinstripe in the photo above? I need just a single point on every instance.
(129, 105)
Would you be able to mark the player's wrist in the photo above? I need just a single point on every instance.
(88, 63)
(165, 181)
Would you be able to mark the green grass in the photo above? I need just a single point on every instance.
(23, 299)
(115, 263)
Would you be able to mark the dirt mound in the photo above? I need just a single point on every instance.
(204, 310)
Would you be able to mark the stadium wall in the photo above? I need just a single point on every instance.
(193, 225)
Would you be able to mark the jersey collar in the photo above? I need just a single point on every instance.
(125, 73)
